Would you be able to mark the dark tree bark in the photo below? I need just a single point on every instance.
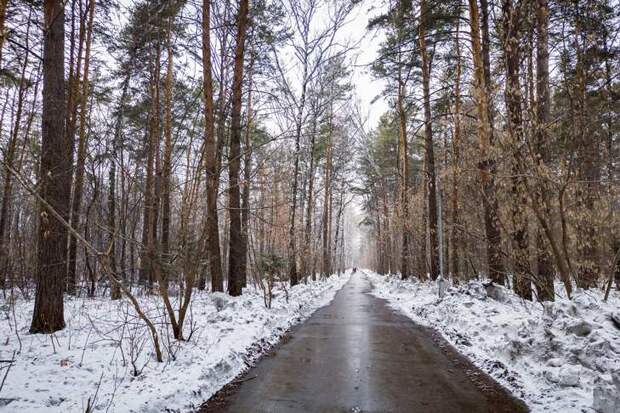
(327, 265)
(149, 223)
(587, 155)
(292, 249)
(487, 165)
(403, 174)
(78, 187)
(167, 161)
(112, 226)
(338, 234)
(247, 176)
(456, 155)
(307, 257)
(431, 181)
(514, 106)
(9, 159)
(211, 156)
(544, 278)
(3, 6)
(55, 177)
(234, 156)
(485, 134)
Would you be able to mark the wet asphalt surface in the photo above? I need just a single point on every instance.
(359, 355)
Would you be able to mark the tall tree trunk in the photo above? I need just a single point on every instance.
(74, 79)
(544, 279)
(387, 233)
(9, 159)
(112, 226)
(234, 156)
(514, 106)
(485, 142)
(456, 161)
(292, 250)
(431, 181)
(308, 253)
(211, 156)
(55, 177)
(166, 179)
(78, 185)
(247, 176)
(3, 6)
(611, 164)
(403, 174)
(326, 268)
(150, 202)
(423, 256)
(587, 187)
(167, 160)
(337, 234)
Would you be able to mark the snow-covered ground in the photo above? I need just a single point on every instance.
(554, 357)
(96, 356)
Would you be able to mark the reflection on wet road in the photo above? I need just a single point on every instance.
(358, 355)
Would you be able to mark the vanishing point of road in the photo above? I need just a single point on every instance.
(359, 355)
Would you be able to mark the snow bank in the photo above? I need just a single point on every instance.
(104, 344)
(561, 357)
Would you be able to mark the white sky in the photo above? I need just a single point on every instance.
(368, 92)
(366, 86)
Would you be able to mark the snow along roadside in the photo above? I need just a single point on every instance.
(553, 357)
(93, 354)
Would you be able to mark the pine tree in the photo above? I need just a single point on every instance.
(54, 178)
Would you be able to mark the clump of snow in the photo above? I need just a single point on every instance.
(104, 357)
(558, 357)
(607, 396)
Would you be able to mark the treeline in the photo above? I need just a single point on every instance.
(500, 154)
(161, 147)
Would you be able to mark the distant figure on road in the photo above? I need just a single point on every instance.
(354, 270)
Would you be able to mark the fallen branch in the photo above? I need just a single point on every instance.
(6, 373)
(244, 380)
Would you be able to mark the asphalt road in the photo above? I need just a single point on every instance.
(359, 355)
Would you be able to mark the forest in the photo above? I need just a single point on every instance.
(184, 182)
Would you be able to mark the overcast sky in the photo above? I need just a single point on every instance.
(366, 86)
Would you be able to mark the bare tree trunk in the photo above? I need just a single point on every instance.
(544, 279)
(326, 268)
(512, 51)
(387, 233)
(456, 142)
(309, 208)
(75, 74)
(428, 146)
(234, 156)
(247, 176)
(3, 6)
(9, 158)
(403, 173)
(55, 177)
(167, 161)
(211, 156)
(292, 250)
(587, 188)
(337, 234)
(611, 167)
(78, 186)
(423, 256)
(112, 227)
(149, 224)
(485, 139)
